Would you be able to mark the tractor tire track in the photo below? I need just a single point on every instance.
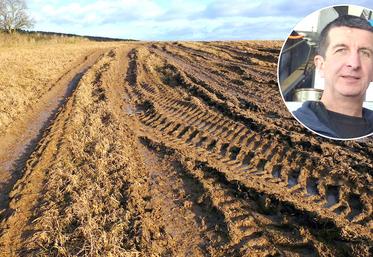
(288, 171)
(186, 149)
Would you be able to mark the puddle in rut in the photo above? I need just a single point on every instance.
(19, 144)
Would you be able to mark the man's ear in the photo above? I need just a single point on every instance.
(319, 63)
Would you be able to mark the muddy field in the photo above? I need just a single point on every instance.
(180, 149)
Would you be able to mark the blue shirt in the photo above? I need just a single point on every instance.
(316, 117)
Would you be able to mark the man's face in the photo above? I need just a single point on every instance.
(348, 63)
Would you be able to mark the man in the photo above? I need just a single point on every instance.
(345, 60)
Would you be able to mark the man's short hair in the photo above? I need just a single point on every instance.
(342, 21)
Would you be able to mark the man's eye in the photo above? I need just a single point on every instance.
(366, 53)
(340, 50)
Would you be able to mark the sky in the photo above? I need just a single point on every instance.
(176, 20)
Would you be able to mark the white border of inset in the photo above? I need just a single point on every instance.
(278, 74)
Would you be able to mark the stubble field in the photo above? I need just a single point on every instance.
(174, 149)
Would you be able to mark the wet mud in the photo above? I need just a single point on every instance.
(186, 149)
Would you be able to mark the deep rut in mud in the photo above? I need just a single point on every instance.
(186, 149)
(25, 133)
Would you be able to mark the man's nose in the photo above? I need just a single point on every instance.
(353, 60)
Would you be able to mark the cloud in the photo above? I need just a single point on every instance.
(95, 12)
(182, 10)
(231, 28)
(175, 20)
(261, 8)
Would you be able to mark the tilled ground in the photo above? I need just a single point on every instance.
(186, 149)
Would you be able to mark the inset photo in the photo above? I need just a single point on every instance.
(325, 72)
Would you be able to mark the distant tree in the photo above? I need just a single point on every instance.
(13, 15)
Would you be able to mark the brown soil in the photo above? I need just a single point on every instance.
(182, 149)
